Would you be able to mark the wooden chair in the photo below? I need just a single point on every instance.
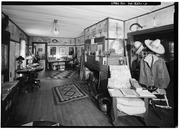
(160, 104)
(115, 112)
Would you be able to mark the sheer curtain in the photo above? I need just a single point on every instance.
(23, 51)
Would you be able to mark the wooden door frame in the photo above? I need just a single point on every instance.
(6, 42)
(45, 50)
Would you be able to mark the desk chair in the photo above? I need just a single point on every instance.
(124, 106)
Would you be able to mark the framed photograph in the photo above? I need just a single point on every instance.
(71, 50)
(100, 49)
(29, 50)
(62, 50)
(40, 49)
(53, 51)
(116, 47)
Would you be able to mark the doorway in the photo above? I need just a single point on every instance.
(39, 49)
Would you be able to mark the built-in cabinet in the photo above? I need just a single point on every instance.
(104, 41)
(104, 45)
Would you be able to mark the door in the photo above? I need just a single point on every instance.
(12, 61)
(39, 49)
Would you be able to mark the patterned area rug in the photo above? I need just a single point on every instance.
(67, 93)
(62, 74)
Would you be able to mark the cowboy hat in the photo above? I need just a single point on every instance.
(138, 45)
(155, 46)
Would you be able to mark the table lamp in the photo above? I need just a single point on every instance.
(20, 61)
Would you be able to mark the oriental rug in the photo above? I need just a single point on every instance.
(67, 93)
(62, 74)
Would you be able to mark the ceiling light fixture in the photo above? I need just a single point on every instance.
(55, 29)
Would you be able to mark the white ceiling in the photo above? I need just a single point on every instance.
(36, 20)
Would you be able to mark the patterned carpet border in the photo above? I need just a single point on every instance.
(67, 74)
(67, 93)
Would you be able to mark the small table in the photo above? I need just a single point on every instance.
(116, 93)
(58, 64)
(29, 73)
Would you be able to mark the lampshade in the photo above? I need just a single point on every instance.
(20, 58)
(55, 29)
(29, 57)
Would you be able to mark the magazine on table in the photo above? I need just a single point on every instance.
(145, 94)
(129, 92)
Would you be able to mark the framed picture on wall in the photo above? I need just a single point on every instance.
(116, 47)
(100, 49)
(62, 50)
(53, 51)
(30, 50)
(40, 49)
(71, 50)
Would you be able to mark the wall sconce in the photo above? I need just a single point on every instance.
(55, 29)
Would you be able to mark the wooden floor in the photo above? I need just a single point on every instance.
(40, 106)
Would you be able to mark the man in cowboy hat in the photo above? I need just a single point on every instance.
(138, 46)
(153, 70)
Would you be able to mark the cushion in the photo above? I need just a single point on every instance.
(131, 110)
(114, 83)
(131, 101)
(121, 72)
(119, 76)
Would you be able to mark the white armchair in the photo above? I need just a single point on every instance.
(123, 106)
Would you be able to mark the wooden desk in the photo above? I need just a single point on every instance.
(58, 64)
(116, 93)
(30, 70)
